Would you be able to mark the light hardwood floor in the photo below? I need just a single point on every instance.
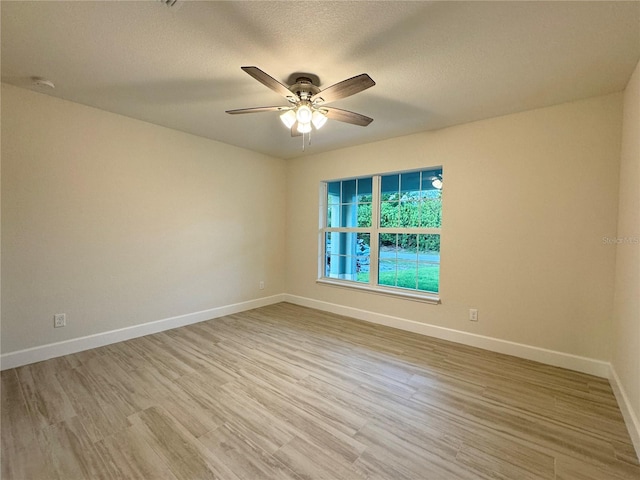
(285, 392)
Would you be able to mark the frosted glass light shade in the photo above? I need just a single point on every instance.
(288, 118)
(303, 114)
(318, 119)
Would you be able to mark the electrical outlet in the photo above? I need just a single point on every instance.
(59, 320)
(473, 314)
(261, 285)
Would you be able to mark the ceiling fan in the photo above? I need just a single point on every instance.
(307, 103)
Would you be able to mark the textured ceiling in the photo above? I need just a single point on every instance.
(435, 63)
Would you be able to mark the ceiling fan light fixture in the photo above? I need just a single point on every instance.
(304, 127)
(437, 182)
(306, 109)
(318, 119)
(304, 114)
(288, 118)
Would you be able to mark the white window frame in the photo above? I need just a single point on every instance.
(374, 235)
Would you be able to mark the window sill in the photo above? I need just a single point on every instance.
(433, 299)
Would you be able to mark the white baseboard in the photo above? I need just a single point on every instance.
(75, 345)
(630, 418)
(549, 357)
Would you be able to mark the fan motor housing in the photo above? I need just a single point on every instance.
(304, 88)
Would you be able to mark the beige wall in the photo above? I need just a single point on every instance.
(527, 200)
(117, 222)
(626, 312)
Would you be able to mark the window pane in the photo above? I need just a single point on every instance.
(388, 214)
(407, 243)
(349, 216)
(409, 214)
(341, 243)
(365, 186)
(333, 215)
(389, 206)
(363, 257)
(429, 247)
(429, 277)
(387, 261)
(431, 210)
(427, 179)
(333, 193)
(388, 240)
(387, 276)
(406, 275)
(429, 262)
(364, 215)
(390, 187)
(348, 191)
(346, 253)
(410, 184)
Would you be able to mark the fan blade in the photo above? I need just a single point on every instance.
(258, 109)
(346, 116)
(343, 89)
(270, 82)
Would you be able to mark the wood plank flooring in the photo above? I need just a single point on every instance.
(285, 392)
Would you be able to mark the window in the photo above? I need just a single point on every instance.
(382, 232)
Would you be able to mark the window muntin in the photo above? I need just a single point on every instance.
(383, 231)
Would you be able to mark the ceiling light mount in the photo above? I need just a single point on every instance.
(304, 88)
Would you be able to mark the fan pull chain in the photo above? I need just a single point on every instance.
(308, 140)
